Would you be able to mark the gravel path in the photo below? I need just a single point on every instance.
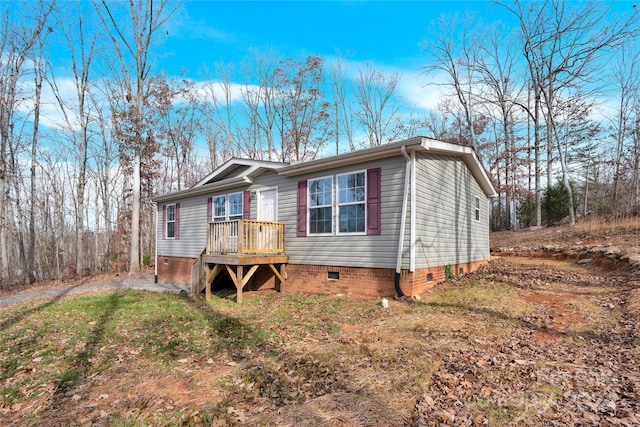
(57, 291)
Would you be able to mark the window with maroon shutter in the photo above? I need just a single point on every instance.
(229, 207)
(302, 208)
(170, 221)
(320, 208)
(351, 203)
(358, 202)
(373, 200)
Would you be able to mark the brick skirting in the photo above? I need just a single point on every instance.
(366, 282)
(174, 270)
(319, 279)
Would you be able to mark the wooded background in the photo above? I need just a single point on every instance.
(550, 101)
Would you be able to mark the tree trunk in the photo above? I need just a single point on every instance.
(134, 253)
(536, 139)
(32, 204)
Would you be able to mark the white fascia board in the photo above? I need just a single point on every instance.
(347, 159)
(254, 165)
(203, 189)
(468, 155)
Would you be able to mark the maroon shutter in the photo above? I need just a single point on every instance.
(373, 200)
(302, 208)
(164, 222)
(176, 232)
(209, 209)
(246, 204)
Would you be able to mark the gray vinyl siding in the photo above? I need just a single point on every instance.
(347, 250)
(267, 181)
(446, 229)
(193, 229)
(194, 221)
(234, 173)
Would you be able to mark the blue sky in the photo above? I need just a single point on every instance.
(386, 34)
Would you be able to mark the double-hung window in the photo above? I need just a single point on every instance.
(477, 209)
(351, 203)
(171, 221)
(227, 207)
(320, 205)
(235, 206)
(219, 208)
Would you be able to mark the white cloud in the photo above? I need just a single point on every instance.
(414, 87)
(421, 91)
(51, 114)
(186, 27)
(207, 90)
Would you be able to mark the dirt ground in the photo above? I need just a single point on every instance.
(56, 290)
(526, 341)
(622, 233)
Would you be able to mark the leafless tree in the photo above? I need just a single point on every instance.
(17, 43)
(376, 110)
(260, 95)
(180, 127)
(496, 74)
(302, 110)
(132, 36)
(343, 113)
(219, 123)
(453, 50)
(564, 44)
(81, 41)
(626, 75)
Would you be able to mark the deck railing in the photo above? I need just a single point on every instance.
(245, 237)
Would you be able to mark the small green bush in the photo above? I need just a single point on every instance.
(448, 273)
(146, 260)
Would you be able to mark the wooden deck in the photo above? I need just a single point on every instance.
(240, 248)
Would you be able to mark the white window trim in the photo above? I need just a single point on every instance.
(477, 213)
(337, 203)
(228, 209)
(227, 206)
(166, 225)
(213, 208)
(309, 207)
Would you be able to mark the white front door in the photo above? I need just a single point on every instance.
(268, 205)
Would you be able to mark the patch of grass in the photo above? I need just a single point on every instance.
(10, 395)
(598, 318)
(550, 391)
(497, 415)
(493, 299)
(67, 344)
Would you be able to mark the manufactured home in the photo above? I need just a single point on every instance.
(383, 221)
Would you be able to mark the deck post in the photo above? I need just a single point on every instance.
(207, 290)
(212, 272)
(279, 276)
(239, 284)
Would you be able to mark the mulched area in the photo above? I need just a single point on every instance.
(563, 373)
